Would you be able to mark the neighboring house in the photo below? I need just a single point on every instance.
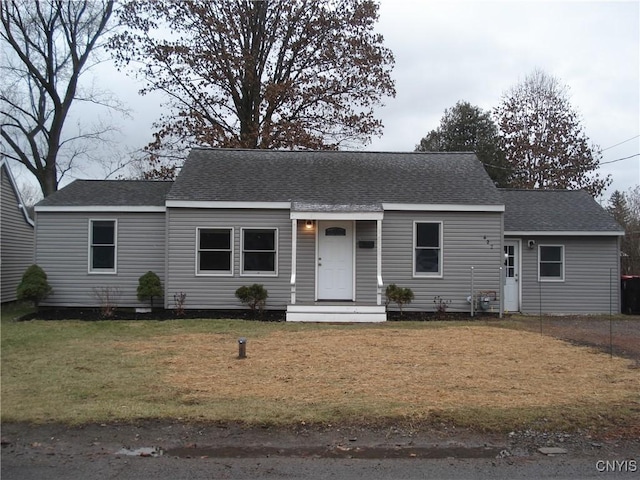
(563, 253)
(324, 232)
(16, 231)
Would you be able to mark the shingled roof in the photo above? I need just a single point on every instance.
(111, 193)
(555, 211)
(334, 178)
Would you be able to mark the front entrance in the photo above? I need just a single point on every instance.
(512, 274)
(335, 260)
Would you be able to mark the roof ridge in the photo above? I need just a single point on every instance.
(381, 152)
(513, 189)
(113, 180)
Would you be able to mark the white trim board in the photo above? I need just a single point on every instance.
(216, 204)
(103, 208)
(444, 207)
(337, 215)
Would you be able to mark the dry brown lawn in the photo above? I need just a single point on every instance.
(393, 372)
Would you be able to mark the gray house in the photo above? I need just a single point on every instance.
(16, 231)
(562, 252)
(324, 232)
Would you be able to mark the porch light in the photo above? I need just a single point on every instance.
(308, 224)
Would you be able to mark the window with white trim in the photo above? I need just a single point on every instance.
(551, 263)
(102, 246)
(427, 252)
(214, 251)
(260, 251)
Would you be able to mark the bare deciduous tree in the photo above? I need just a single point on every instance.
(46, 46)
(543, 140)
(268, 74)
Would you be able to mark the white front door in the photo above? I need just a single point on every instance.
(512, 276)
(335, 260)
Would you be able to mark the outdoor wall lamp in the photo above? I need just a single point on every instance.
(308, 224)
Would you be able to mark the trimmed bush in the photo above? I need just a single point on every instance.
(34, 286)
(399, 295)
(254, 296)
(149, 286)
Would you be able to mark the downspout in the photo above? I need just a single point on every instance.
(501, 263)
(166, 256)
(294, 255)
(379, 282)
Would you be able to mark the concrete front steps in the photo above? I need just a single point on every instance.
(336, 313)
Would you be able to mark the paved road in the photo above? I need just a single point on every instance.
(163, 468)
(161, 451)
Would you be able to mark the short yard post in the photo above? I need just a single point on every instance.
(242, 347)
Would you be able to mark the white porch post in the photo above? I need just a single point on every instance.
(379, 261)
(294, 246)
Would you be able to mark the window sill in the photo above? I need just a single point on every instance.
(213, 274)
(426, 275)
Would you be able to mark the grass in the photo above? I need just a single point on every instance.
(472, 375)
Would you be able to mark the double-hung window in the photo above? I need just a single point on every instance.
(102, 246)
(427, 252)
(215, 251)
(551, 263)
(260, 251)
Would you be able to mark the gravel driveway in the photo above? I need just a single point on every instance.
(619, 335)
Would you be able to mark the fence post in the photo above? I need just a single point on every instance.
(610, 313)
(540, 303)
(503, 273)
(473, 298)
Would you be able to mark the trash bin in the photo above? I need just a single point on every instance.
(630, 289)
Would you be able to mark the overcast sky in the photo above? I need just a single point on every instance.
(475, 51)
(448, 51)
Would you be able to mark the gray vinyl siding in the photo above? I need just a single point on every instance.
(470, 239)
(218, 292)
(591, 277)
(306, 264)
(16, 245)
(62, 250)
(366, 263)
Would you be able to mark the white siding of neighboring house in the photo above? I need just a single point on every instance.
(16, 245)
(62, 250)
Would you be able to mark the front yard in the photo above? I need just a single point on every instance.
(477, 374)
